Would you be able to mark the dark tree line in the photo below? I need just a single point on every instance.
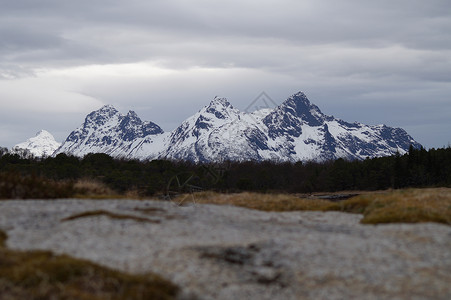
(417, 168)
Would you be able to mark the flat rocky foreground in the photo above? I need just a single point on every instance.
(224, 252)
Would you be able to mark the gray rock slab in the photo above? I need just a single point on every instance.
(226, 252)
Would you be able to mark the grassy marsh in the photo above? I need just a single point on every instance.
(394, 206)
(402, 206)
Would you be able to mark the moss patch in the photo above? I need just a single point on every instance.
(43, 275)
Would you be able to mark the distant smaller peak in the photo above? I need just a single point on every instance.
(43, 132)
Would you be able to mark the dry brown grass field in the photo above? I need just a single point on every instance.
(393, 206)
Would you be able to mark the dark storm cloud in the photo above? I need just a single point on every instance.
(369, 61)
(139, 30)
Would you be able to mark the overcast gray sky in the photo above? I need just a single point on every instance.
(385, 61)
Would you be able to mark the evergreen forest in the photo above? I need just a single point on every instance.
(31, 177)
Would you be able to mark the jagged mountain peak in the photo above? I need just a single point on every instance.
(221, 108)
(300, 104)
(101, 116)
(288, 118)
(300, 96)
(220, 101)
(299, 107)
(107, 108)
(131, 117)
(219, 104)
(131, 127)
(132, 114)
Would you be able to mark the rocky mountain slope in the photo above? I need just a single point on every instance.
(295, 130)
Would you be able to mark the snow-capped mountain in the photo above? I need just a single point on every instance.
(108, 131)
(298, 130)
(217, 132)
(43, 144)
(295, 130)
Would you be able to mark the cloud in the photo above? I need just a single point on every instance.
(114, 31)
(43, 95)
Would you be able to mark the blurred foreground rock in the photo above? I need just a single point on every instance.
(222, 252)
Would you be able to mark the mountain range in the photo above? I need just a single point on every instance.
(296, 130)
